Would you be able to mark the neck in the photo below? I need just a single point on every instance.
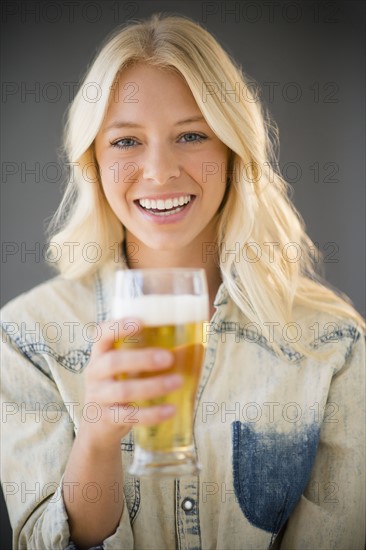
(198, 255)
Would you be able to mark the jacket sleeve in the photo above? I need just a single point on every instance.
(37, 436)
(331, 512)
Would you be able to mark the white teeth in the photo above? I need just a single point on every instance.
(168, 213)
(167, 204)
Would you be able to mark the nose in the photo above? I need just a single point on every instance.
(160, 164)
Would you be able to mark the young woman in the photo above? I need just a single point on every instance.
(168, 172)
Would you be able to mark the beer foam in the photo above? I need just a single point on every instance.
(163, 309)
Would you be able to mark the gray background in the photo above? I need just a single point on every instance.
(307, 57)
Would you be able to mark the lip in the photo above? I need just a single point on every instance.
(163, 220)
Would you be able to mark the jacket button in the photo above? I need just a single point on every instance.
(187, 504)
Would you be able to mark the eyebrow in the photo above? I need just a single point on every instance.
(126, 124)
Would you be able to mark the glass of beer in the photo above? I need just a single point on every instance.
(173, 307)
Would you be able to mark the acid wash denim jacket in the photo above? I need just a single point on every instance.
(280, 439)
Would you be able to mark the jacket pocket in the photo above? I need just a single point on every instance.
(270, 471)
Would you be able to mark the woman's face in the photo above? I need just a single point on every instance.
(163, 169)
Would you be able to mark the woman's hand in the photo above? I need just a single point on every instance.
(95, 457)
(117, 397)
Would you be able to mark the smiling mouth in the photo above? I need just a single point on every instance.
(167, 207)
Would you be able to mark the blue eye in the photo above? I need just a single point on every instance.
(125, 143)
(192, 137)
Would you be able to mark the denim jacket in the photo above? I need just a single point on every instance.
(280, 439)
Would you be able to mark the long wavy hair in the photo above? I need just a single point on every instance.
(273, 269)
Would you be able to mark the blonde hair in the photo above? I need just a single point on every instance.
(258, 221)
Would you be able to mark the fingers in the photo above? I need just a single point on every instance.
(105, 387)
(133, 361)
(138, 389)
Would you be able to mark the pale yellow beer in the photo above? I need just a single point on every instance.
(185, 342)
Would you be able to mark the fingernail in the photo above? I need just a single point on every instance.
(163, 358)
(167, 410)
(173, 381)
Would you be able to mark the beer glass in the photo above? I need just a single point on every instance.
(173, 307)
